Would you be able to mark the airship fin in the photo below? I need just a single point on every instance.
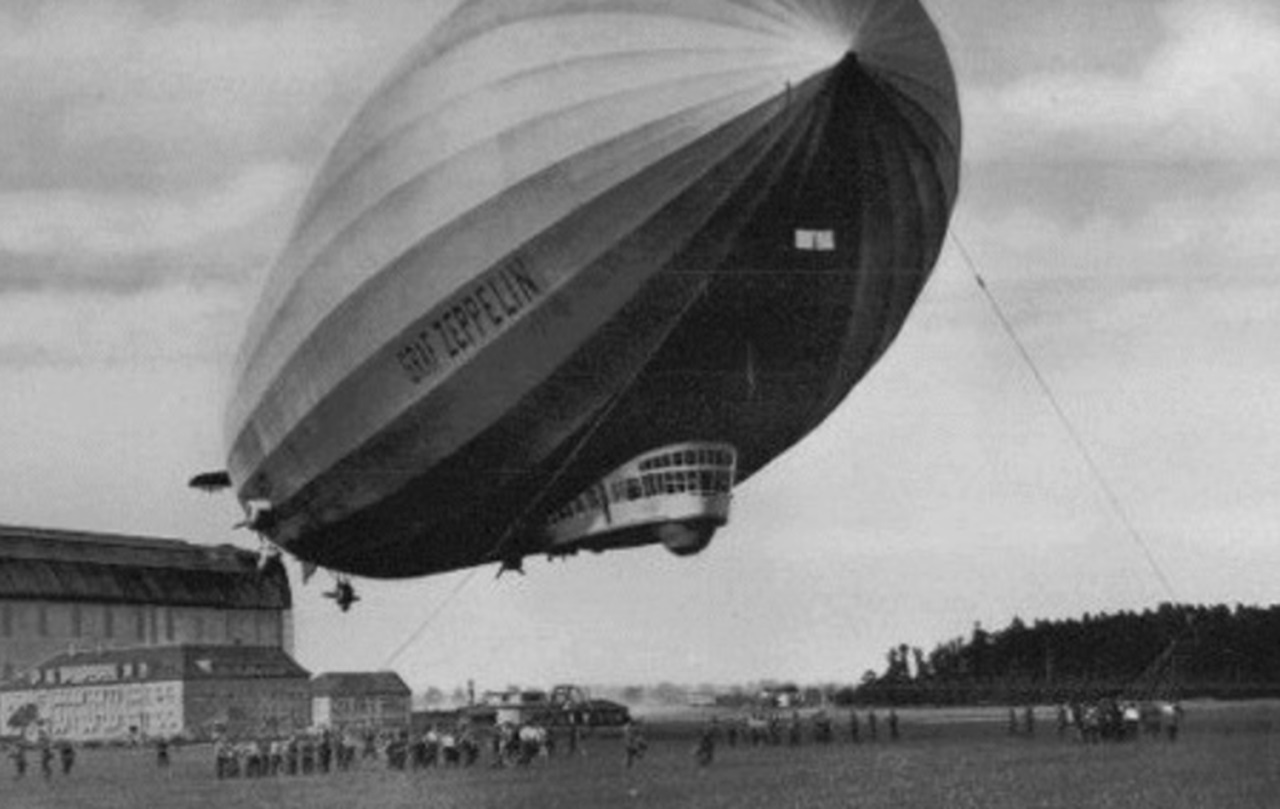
(343, 593)
(211, 481)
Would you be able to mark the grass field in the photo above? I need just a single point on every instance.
(1228, 756)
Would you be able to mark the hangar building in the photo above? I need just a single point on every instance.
(66, 592)
(196, 692)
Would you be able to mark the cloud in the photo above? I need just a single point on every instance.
(1176, 238)
(55, 222)
(1210, 92)
(160, 98)
(147, 143)
(242, 72)
(172, 323)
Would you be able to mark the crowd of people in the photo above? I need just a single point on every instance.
(1105, 719)
(461, 746)
(772, 727)
(50, 753)
(446, 747)
(1111, 719)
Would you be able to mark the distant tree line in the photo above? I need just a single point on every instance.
(1174, 651)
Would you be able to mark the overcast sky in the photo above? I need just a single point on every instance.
(1121, 194)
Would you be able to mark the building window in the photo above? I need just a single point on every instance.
(822, 241)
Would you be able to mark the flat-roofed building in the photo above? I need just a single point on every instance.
(375, 700)
(190, 691)
(74, 591)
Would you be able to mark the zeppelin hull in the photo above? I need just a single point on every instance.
(724, 264)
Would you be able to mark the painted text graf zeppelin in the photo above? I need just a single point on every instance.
(469, 321)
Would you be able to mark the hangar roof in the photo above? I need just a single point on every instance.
(359, 684)
(55, 565)
(160, 663)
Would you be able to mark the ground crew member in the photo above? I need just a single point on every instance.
(68, 757)
(822, 728)
(575, 738)
(19, 756)
(1172, 717)
(635, 743)
(706, 749)
(325, 752)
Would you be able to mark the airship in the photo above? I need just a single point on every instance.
(579, 268)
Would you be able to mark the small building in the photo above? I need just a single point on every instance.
(194, 692)
(73, 590)
(782, 696)
(375, 700)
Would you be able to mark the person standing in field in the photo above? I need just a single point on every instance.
(893, 724)
(822, 728)
(1172, 715)
(19, 756)
(853, 726)
(872, 723)
(634, 742)
(46, 759)
(575, 738)
(706, 749)
(324, 752)
(1029, 720)
(67, 754)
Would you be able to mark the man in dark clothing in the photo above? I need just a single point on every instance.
(19, 756)
(67, 754)
(575, 738)
(706, 749)
(324, 752)
(635, 743)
